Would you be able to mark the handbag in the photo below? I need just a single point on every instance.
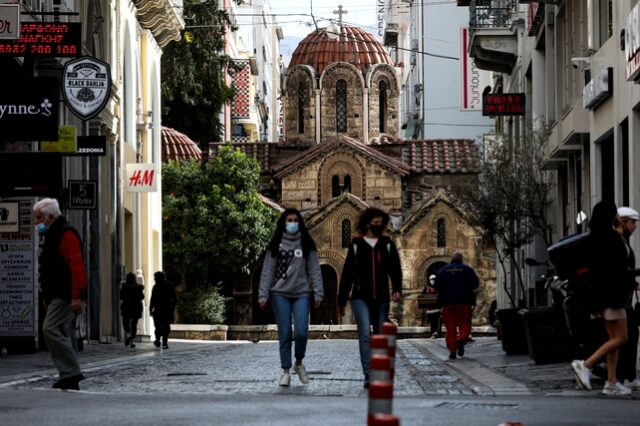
(428, 301)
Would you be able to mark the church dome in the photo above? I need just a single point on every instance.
(354, 46)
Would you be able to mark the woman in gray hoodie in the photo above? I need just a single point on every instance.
(290, 278)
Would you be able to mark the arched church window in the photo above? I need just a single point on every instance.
(301, 92)
(346, 233)
(382, 102)
(335, 186)
(347, 184)
(341, 106)
(442, 233)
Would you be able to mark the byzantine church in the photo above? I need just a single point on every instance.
(342, 153)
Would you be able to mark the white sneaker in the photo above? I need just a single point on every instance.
(615, 390)
(302, 373)
(583, 374)
(632, 385)
(285, 379)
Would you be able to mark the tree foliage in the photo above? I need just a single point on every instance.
(513, 197)
(193, 74)
(214, 222)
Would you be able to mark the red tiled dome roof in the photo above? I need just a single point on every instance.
(354, 46)
(177, 146)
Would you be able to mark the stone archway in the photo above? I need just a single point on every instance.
(328, 311)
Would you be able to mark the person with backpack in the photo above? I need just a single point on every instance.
(131, 295)
(372, 260)
(291, 277)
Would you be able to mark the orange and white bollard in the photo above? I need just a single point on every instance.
(384, 420)
(390, 331)
(380, 369)
(380, 400)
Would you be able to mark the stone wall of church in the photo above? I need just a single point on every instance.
(296, 78)
(355, 92)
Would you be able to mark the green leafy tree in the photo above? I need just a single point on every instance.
(193, 74)
(215, 224)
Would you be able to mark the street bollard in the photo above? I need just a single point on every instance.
(380, 368)
(379, 345)
(384, 420)
(380, 400)
(390, 331)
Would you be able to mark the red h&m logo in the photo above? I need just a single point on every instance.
(141, 178)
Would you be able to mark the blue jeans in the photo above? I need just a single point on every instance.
(367, 316)
(284, 307)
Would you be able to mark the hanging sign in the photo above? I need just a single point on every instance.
(9, 21)
(46, 39)
(86, 85)
(141, 177)
(66, 142)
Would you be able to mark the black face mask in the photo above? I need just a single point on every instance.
(376, 229)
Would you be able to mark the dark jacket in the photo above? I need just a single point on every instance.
(131, 296)
(367, 271)
(608, 279)
(163, 301)
(55, 275)
(456, 284)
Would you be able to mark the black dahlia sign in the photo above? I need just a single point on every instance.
(86, 85)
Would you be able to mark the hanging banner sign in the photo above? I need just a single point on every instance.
(67, 141)
(45, 39)
(9, 21)
(473, 79)
(141, 178)
(86, 85)
(29, 110)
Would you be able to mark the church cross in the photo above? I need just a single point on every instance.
(340, 12)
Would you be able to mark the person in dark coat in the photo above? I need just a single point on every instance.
(372, 260)
(131, 295)
(163, 303)
(456, 284)
(607, 288)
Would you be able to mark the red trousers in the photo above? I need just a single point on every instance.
(457, 319)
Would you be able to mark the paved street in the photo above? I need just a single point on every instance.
(236, 383)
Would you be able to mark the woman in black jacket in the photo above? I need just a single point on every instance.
(371, 261)
(131, 295)
(607, 288)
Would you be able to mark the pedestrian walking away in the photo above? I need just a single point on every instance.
(161, 306)
(432, 314)
(63, 281)
(290, 279)
(606, 290)
(131, 296)
(456, 284)
(372, 260)
(626, 370)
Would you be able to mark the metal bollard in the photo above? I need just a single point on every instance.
(380, 400)
(390, 331)
(384, 420)
(380, 368)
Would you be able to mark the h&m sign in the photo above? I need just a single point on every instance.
(141, 177)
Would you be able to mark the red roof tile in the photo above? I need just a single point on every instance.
(442, 156)
(177, 146)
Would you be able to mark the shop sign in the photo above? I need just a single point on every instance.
(9, 21)
(45, 39)
(29, 109)
(66, 141)
(92, 146)
(632, 44)
(473, 79)
(141, 177)
(503, 104)
(82, 194)
(598, 90)
(9, 217)
(86, 86)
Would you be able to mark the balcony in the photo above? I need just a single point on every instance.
(493, 42)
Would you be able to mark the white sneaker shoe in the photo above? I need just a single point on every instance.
(583, 374)
(615, 390)
(632, 385)
(302, 373)
(285, 379)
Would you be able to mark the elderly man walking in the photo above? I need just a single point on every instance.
(64, 284)
(456, 284)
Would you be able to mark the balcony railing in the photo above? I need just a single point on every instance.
(491, 13)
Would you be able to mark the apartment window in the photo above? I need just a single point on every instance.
(442, 233)
(301, 92)
(341, 106)
(346, 233)
(382, 102)
(605, 20)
